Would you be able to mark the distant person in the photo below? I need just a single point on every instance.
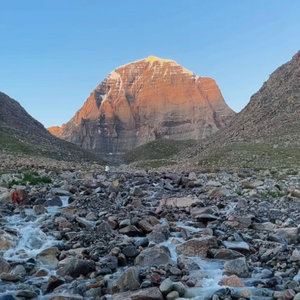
(107, 170)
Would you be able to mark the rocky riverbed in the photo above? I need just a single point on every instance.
(151, 236)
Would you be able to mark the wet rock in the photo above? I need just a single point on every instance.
(177, 202)
(145, 226)
(4, 266)
(129, 281)
(232, 281)
(41, 273)
(6, 197)
(289, 234)
(289, 294)
(238, 246)
(268, 226)
(91, 217)
(26, 294)
(154, 256)
(237, 267)
(48, 256)
(7, 240)
(125, 223)
(52, 284)
(142, 242)
(130, 251)
(197, 247)
(186, 263)
(180, 288)
(19, 270)
(75, 268)
(156, 237)
(83, 223)
(7, 297)
(297, 296)
(9, 277)
(137, 192)
(131, 231)
(104, 227)
(39, 210)
(166, 286)
(152, 293)
(227, 254)
(65, 297)
(55, 201)
(109, 261)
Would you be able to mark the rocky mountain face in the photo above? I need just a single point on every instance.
(147, 100)
(20, 133)
(273, 113)
(14, 116)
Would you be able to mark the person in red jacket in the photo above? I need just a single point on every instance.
(19, 196)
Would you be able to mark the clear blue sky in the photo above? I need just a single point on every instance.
(53, 53)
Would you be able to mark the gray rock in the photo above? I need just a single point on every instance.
(39, 210)
(172, 296)
(19, 270)
(237, 267)
(4, 266)
(109, 261)
(137, 192)
(130, 251)
(152, 293)
(180, 288)
(197, 247)
(75, 268)
(48, 256)
(154, 256)
(55, 201)
(26, 294)
(129, 281)
(166, 286)
(187, 263)
(105, 228)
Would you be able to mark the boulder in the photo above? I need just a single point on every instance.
(55, 201)
(197, 247)
(232, 281)
(39, 210)
(152, 293)
(237, 267)
(129, 281)
(48, 256)
(145, 226)
(166, 286)
(75, 268)
(27, 294)
(154, 256)
(187, 263)
(4, 266)
(6, 197)
(178, 202)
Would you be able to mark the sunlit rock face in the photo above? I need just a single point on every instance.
(147, 100)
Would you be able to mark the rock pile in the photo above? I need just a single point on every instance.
(153, 236)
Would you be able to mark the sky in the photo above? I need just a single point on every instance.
(53, 53)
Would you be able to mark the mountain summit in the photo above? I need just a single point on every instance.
(147, 100)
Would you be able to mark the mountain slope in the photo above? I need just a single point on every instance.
(147, 100)
(267, 130)
(22, 134)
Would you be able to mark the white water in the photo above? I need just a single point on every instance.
(31, 240)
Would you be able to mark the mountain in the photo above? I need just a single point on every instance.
(267, 130)
(22, 134)
(147, 100)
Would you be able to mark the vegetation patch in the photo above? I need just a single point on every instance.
(31, 178)
(157, 150)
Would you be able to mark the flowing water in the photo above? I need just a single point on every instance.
(28, 239)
